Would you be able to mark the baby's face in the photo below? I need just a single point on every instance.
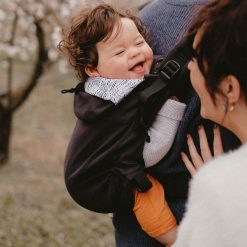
(125, 55)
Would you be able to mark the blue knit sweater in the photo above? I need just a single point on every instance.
(167, 20)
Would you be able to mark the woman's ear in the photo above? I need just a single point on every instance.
(230, 86)
(91, 71)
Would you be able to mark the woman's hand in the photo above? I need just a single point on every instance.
(206, 155)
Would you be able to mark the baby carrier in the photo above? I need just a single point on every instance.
(104, 160)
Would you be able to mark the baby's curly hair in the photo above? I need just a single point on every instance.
(90, 26)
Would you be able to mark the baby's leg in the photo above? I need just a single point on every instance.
(154, 214)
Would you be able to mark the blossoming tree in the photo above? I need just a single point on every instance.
(30, 32)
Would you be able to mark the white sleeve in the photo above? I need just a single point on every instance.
(204, 223)
(163, 131)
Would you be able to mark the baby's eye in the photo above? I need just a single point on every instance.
(119, 52)
(140, 42)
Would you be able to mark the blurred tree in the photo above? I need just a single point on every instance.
(30, 32)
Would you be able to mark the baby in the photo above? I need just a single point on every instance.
(104, 166)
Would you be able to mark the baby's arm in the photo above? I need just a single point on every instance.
(163, 131)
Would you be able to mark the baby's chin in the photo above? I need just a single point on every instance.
(130, 75)
(135, 76)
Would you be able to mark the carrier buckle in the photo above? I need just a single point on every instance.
(170, 69)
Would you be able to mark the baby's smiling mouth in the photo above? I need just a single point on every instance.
(138, 67)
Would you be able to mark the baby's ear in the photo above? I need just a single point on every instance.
(91, 71)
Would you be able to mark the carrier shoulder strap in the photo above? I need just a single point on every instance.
(168, 76)
(168, 69)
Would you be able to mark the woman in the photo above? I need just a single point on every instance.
(218, 194)
(167, 20)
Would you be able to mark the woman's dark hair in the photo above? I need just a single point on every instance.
(90, 26)
(222, 47)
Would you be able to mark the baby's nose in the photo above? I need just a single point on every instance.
(134, 51)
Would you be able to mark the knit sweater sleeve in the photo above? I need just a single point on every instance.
(163, 131)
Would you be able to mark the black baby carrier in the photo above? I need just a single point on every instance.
(104, 161)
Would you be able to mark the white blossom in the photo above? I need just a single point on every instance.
(3, 15)
(51, 14)
(56, 35)
(63, 66)
(53, 54)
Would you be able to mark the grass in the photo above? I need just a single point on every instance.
(35, 208)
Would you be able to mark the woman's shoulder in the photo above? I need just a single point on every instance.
(217, 200)
(230, 160)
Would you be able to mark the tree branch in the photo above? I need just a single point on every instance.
(22, 92)
(10, 61)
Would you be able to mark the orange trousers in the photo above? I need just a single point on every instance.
(152, 210)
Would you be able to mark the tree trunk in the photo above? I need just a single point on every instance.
(13, 99)
(5, 133)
